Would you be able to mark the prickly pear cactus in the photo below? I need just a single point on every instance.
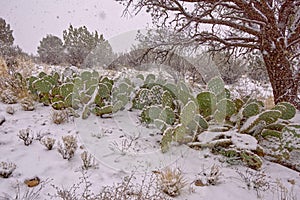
(207, 103)
(167, 100)
(251, 159)
(226, 108)
(150, 78)
(216, 85)
(166, 139)
(105, 110)
(288, 111)
(143, 98)
(251, 109)
(188, 113)
(167, 115)
(269, 116)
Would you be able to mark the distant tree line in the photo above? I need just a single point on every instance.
(79, 47)
(8, 51)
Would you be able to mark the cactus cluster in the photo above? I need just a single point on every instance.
(87, 91)
(215, 110)
(121, 94)
(215, 103)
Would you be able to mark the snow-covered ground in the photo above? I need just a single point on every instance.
(122, 146)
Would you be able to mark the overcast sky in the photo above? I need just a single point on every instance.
(31, 20)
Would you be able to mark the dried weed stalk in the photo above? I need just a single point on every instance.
(68, 146)
(59, 116)
(26, 135)
(88, 160)
(48, 142)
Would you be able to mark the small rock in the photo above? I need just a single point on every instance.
(32, 182)
(2, 119)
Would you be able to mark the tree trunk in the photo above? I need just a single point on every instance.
(284, 82)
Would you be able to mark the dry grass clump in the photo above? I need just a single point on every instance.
(68, 146)
(26, 135)
(48, 142)
(171, 181)
(24, 66)
(59, 116)
(13, 80)
(3, 67)
(88, 161)
(6, 169)
(27, 104)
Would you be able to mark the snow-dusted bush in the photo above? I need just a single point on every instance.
(10, 110)
(26, 135)
(59, 116)
(213, 175)
(68, 146)
(7, 96)
(6, 169)
(171, 181)
(27, 104)
(88, 160)
(256, 180)
(48, 142)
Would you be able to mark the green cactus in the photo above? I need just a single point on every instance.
(157, 92)
(172, 88)
(167, 115)
(103, 91)
(86, 75)
(288, 111)
(150, 78)
(216, 85)
(145, 116)
(166, 139)
(42, 86)
(154, 112)
(105, 110)
(66, 89)
(167, 100)
(207, 103)
(42, 74)
(58, 105)
(179, 133)
(226, 107)
(55, 91)
(188, 113)
(269, 116)
(119, 105)
(30, 85)
(202, 123)
(238, 103)
(271, 133)
(140, 76)
(251, 109)
(93, 82)
(50, 79)
(142, 99)
(251, 159)
(160, 124)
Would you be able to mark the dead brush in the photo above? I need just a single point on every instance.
(171, 181)
(13, 86)
(59, 116)
(24, 65)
